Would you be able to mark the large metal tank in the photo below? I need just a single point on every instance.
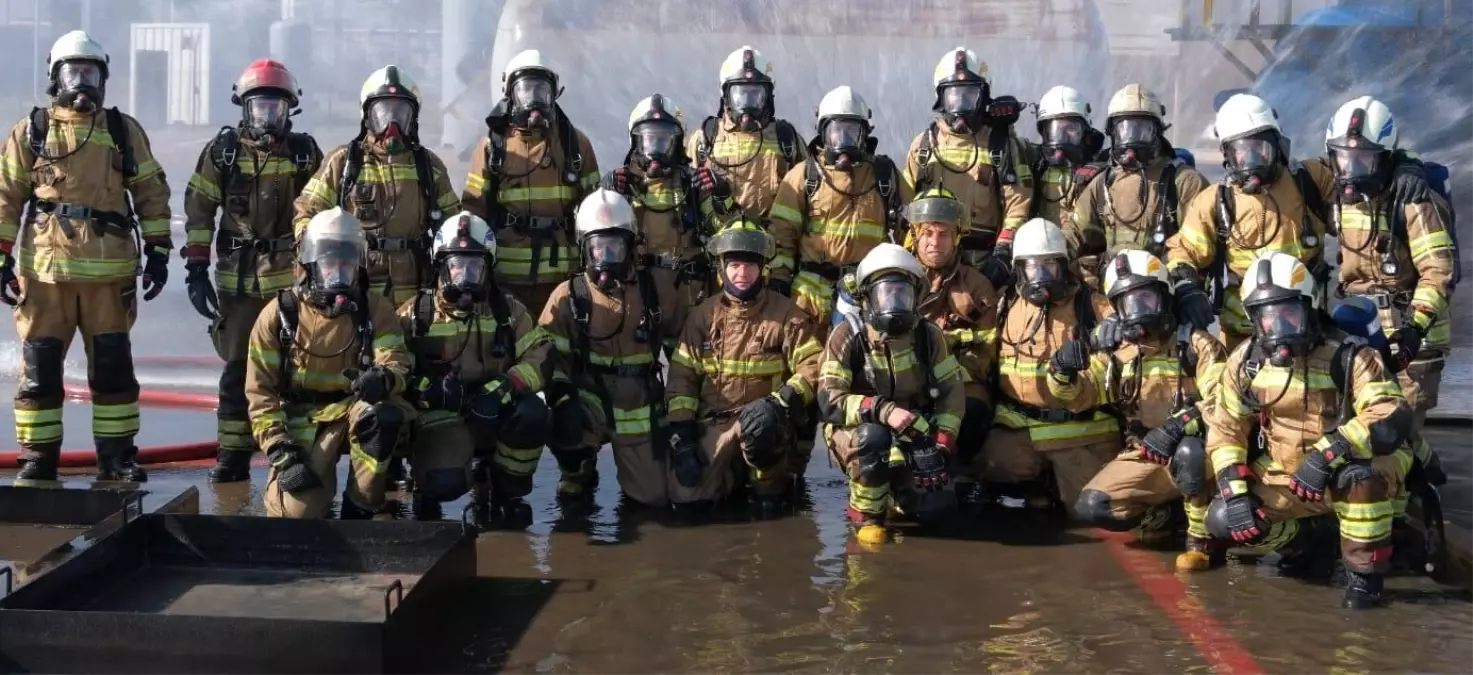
(611, 53)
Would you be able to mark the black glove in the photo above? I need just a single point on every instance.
(781, 287)
(1431, 469)
(713, 182)
(1192, 305)
(1245, 518)
(1160, 443)
(202, 289)
(998, 267)
(928, 466)
(1003, 111)
(1070, 358)
(1107, 335)
(1318, 466)
(1409, 180)
(9, 285)
(1408, 342)
(441, 393)
(685, 453)
(621, 180)
(292, 475)
(155, 271)
(372, 385)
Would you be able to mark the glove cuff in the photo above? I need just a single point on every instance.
(1233, 480)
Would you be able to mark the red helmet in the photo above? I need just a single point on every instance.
(265, 74)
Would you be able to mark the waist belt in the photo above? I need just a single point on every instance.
(828, 271)
(629, 371)
(1052, 414)
(277, 245)
(662, 261)
(395, 243)
(539, 224)
(1395, 299)
(66, 210)
(309, 397)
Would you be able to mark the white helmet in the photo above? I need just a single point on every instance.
(745, 65)
(389, 82)
(1272, 277)
(523, 61)
(1363, 122)
(1242, 116)
(332, 234)
(1135, 100)
(604, 210)
(75, 46)
(1133, 268)
(959, 65)
(656, 107)
(1062, 101)
(887, 257)
(464, 232)
(842, 102)
(1039, 238)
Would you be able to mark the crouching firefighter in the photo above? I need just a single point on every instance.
(610, 324)
(253, 171)
(325, 370)
(1331, 424)
(1161, 376)
(479, 361)
(741, 380)
(891, 398)
(963, 304)
(97, 200)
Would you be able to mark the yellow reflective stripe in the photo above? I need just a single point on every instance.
(836, 370)
(1041, 431)
(1198, 241)
(765, 366)
(319, 381)
(561, 193)
(388, 173)
(475, 183)
(948, 422)
(1238, 258)
(263, 422)
(388, 340)
(1022, 366)
(204, 186)
(115, 420)
(1432, 241)
(682, 402)
(77, 268)
(1232, 403)
(358, 455)
(805, 349)
(1228, 455)
(589, 181)
(682, 357)
(1355, 219)
(1276, 378)
(516, 461)
(851, 405)
(1431, 297)
(258, 285)
(801, 386)
(1208, 375)
(785, 213)
(529, 376)
(198, 236)
(321, 191)
(38, 426)
(659, 197)
(448, 201)
(1372, 392)
(9, 231)
(1365, 523)
(532, 337)
(946, 369)
(13, 170)
(867, 499)
(781, 261)
(860, 229)
(153, 227)
(1359, 436)
(739, 148)
(634, 422)
(147, 169)
(640, 358)
(813, 286)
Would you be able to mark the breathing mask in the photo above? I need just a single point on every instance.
(266, 116)
(609, 258)
(1063, 141)
(843, 142)
(1285, 330)
(1144, 311)
(962, 107)
(748, 105)
(463, 280)
(1134, 141)
(1361, 173)
(656, 145)
(1253, 162)
(531, 103)
(1042, 280)
(751, 291)
(79, 85)
(390, 119)
(890, 304)
(333, 277)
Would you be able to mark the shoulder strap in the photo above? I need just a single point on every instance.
(422, 313)
(1166, 203)
(363, 322)
(787, 142)
(36, 130)
(889, 194)
(1314, 202)
(1341, 365)
(708, 136)
(1084, 312)
(352, 164)
(118, 129)
(1223, 216)
(1000, 146)
(425, 174)
(858, 348)
(505, 342)
(812, 179)
(223, 154)
(923, 158)
(495, 161)
(302, 147)
(286, 332)
(923, 350)
(572, 155)
(581, 302)
(650, 296)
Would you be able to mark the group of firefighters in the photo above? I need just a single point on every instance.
(995, 319)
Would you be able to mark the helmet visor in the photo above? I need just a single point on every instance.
(656, 140)
(1041, 271)
(892, 294)
(1354, 164)
(465, 271)
(1247, 154)
(267, 112)
(962, 99)
(385, 111)
(532, 92)
(1065, 131)
(1140, 306)
(335, 264)
(74, 75)
(1133, 131)
(1282, 322)
(746, 97)
(607, 250)
(843, 134)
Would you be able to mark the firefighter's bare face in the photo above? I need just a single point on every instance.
(742, 273)
(935, 244)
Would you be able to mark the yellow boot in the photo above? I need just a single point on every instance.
(1201, 555)
(871, 534)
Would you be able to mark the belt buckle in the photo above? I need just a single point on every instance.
(69, 210)
(667, 261)
(1384, 300)
(541, 223)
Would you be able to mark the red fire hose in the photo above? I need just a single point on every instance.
(153, 454)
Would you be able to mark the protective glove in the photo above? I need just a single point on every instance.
(1107, 335)
(9, 284)
(1408, 342)
(1318, 466)
(1003, 111)
(1070, 358)
(441, 393)
(1192, 304)
(202, 289)
(928, 465)
(781, 287)
(713, 182)
(1431, 469)
(372, 385)
(292, 475)
(621, 180)
(685, 454)
(155, 271)
(1409, 180)
(998, 267)
(1160, 443)
(1245, 518)
(789, 400)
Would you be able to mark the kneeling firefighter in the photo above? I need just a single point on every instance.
(741, 379)
(891, 397)
(1049, 407)
(1162, 376)
(1329, 419)
(324, 374)
(960, 301)
(610, 325)
(479, 361)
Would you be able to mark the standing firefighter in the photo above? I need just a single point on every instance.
(526, 177)
(1139, 200)
(1068, 155)
(610, 323)
(479, 361)
(963, 304)
(837, 206)
(746, 141)
(253, 170)
(1327, 425)
(1049, 409)
(741, 378)
(676, 205)
(94, 190)
(395, 187)
(1161, 377)
(891, 398)
(324, 376)
(970, 150)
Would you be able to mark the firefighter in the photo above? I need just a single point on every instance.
(1162, 377)
(1067, 156)
(325, 376)
(479, 361)
(970, 150)
(610, 324)
(1140, 199)
(396, 187)
(253, 170)
(1267, 203)
(838, 205)
(963, 304)
(93, 187)
(526, 176)
(677, 206)
(747, 143)
(741, 379)
(1329, 419)
(891, 397)
(1049, 386)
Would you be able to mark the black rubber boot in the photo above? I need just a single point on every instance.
(351, 511)
(512, 514)
(231, 466)
(38, 467)
(1362, 591)
(427, 509)
(117, 462)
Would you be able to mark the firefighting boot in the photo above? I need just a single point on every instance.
(351, 511)
(231, 466)
(1362, 591)
(38, 466)
(1202, 554)
(511, 514)
(579, 473)
(1313, 549)
(869, 528)
(427, 509)
(117, 462)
